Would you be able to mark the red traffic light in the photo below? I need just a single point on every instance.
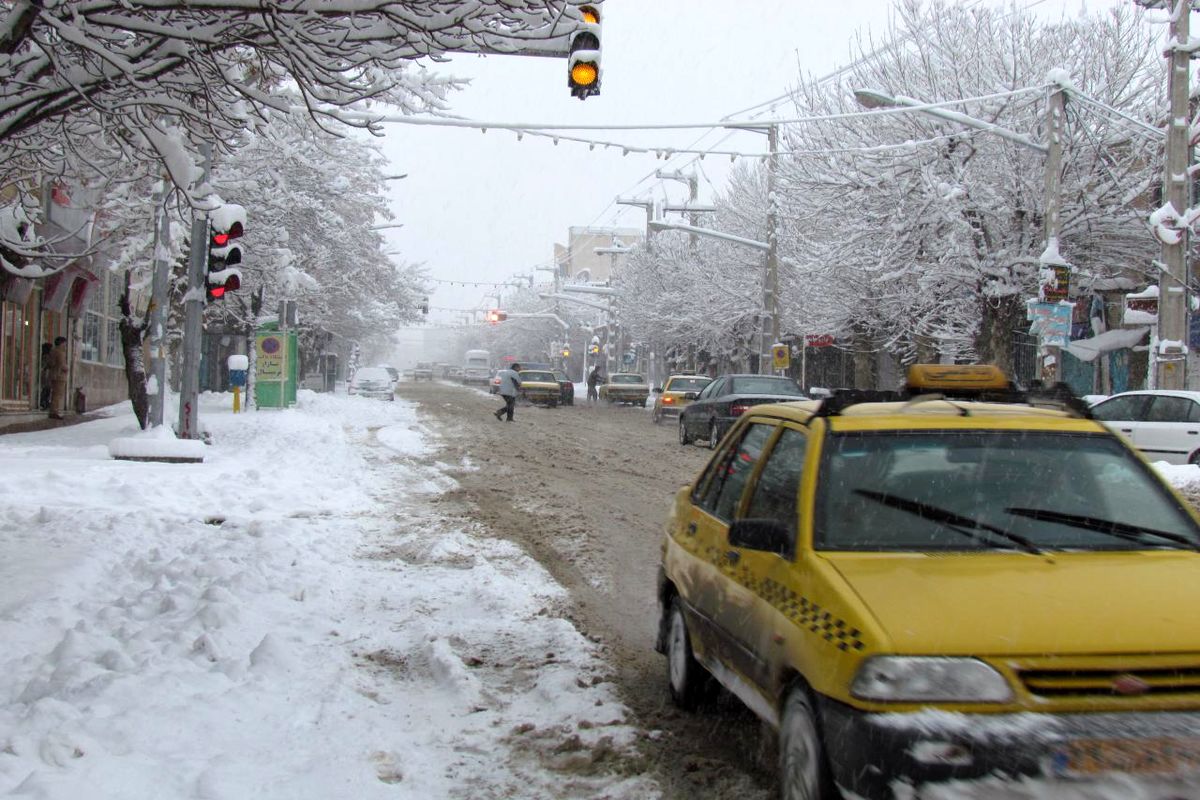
(221, 238)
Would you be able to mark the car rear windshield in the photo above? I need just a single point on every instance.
(371, 374)
(764, 384)
(952, 490)
(687, 384)
(627, 379)
(528, 375)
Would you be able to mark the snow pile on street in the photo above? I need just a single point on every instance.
(288, 619)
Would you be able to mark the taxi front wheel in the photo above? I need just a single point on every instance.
(803, 772)
(689, 682)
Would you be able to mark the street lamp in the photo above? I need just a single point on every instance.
(873, 98)
(1051, 363)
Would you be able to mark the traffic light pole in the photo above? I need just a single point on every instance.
(193, 310)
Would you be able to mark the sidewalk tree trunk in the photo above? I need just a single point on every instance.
(133, 334)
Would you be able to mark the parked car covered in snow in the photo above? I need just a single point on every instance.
(372, 382)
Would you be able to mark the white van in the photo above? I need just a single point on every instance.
(476, 367)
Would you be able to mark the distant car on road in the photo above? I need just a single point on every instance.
(1163, 424)
(679, 390)
(720, 404)
(477, 367)
(626, 387)
(372, 382)
(423, 371)
(540, 386)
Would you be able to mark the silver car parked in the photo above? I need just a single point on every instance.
(1163, 424)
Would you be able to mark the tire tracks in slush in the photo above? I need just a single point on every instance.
(585, 491)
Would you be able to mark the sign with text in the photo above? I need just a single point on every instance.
(269, 366)
(1057, 288)
(781, 356)
(819, 340)
(1050, 322)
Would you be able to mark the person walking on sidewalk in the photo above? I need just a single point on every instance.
(510, 384)
(59, 370)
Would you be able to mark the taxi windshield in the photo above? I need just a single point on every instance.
(534, 376)
(1030, 491)
(687, 384)
(628, 379)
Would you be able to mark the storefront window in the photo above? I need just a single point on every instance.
(113, 344)
(89, 347)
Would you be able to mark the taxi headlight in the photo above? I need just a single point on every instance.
(920, 679)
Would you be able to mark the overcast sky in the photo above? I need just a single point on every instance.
(485, 206)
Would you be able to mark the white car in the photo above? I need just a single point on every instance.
(1163, 424)
(372, 382)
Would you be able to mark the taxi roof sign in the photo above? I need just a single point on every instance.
(955, 378)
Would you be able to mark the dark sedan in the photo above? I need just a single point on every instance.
(727, 398)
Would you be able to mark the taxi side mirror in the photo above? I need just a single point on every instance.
(768, 535)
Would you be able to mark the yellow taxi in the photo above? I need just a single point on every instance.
(921, 588)
(625, 387)
(676, 393)
(539, 387)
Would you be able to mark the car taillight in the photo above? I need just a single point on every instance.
(737, 409)
(668, 401)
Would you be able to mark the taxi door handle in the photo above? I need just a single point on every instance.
(733, 556)
(691, 529)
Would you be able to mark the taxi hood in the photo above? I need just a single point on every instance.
(1020, 604)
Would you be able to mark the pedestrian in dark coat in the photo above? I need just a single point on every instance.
(594, 379)
(44, 379)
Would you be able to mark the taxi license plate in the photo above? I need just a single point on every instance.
(1131, 756)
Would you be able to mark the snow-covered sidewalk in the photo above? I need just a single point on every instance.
(289, 619)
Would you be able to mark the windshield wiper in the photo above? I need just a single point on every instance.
(956, 522)
(1121, 530)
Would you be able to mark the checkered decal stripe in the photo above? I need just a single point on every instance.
(806, 614)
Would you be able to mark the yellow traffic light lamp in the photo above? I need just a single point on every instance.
(583, 58)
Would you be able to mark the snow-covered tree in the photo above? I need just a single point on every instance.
(93, 86)
(936, 244)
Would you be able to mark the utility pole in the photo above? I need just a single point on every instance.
(1172, 297)
(158, 302)
(1055, 114)
(771, 283)
(648, 205)
(193, 305)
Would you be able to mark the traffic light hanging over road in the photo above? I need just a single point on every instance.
(495, 316)
(226, 223)
(583, 58)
